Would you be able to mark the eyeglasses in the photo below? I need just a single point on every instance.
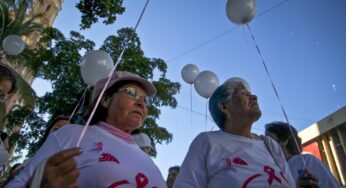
(134, 94)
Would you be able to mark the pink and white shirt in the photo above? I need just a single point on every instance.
(219, 159)
(108, 159)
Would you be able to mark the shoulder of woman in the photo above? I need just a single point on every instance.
(71, 127)
(209, 135)
(68, 130)
(209, 138)
(204, 138)
(201, 143)
(310, 158)
(257, 137)
(200, 137)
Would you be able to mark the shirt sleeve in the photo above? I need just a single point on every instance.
(50, 147)
(319, 169)
(193, 171)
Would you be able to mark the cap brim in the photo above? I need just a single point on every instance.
(147, 86)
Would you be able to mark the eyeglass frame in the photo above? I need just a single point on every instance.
(135, 95)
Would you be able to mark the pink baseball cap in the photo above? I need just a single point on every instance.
(120, 76)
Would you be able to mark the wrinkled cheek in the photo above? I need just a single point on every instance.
(145, 115)
(259, 113)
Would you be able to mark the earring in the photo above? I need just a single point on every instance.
(105, 103)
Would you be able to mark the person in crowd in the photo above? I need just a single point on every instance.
(110, 158)
(54, 124)
(232, 156)
(15, 169)
(291, 144)
(143, 141)
(4, 154)
(4, 149)
(58, 123)
(5, 140)
(172, 175)
(7, 82)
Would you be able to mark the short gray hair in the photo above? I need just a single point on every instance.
(222, 94)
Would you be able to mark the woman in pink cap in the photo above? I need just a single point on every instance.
(110, 157)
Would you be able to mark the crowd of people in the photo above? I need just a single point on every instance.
(115, 153)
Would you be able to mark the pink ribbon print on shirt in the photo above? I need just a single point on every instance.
(269, 171)
(141, 179)
(271, 177)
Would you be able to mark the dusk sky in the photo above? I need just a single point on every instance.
(302, 42)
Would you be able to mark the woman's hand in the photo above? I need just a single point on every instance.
(307, 180)
(61, 169)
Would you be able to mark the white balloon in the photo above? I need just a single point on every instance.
(206, 83)
(189, 73)
(13, 45)
(96, 65)
(238, 79)
(241, 11)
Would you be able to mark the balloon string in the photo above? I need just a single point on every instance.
(191, 104)
(206, 113)
(81, 99)
(110, 76)
(276, 93)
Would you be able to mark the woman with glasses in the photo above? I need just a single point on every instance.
(110, 157)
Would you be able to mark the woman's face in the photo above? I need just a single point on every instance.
(244, 104)
(146, 149)
(57, 125)
(172, 175)
(124, 111)
(5, 88)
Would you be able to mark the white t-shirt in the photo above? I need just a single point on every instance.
(314, 166)
(219, 159)
(106, 161)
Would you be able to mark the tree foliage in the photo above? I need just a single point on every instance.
(59, 62)
(92, 10)
(31, 131)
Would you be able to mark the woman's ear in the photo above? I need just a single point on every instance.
(105, 101)
(224, 109)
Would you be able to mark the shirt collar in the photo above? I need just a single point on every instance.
(116, 132)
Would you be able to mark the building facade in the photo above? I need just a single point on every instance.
(326, 139)
(47, 11)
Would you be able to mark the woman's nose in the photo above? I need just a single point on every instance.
(141, 102)
(253, 97)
